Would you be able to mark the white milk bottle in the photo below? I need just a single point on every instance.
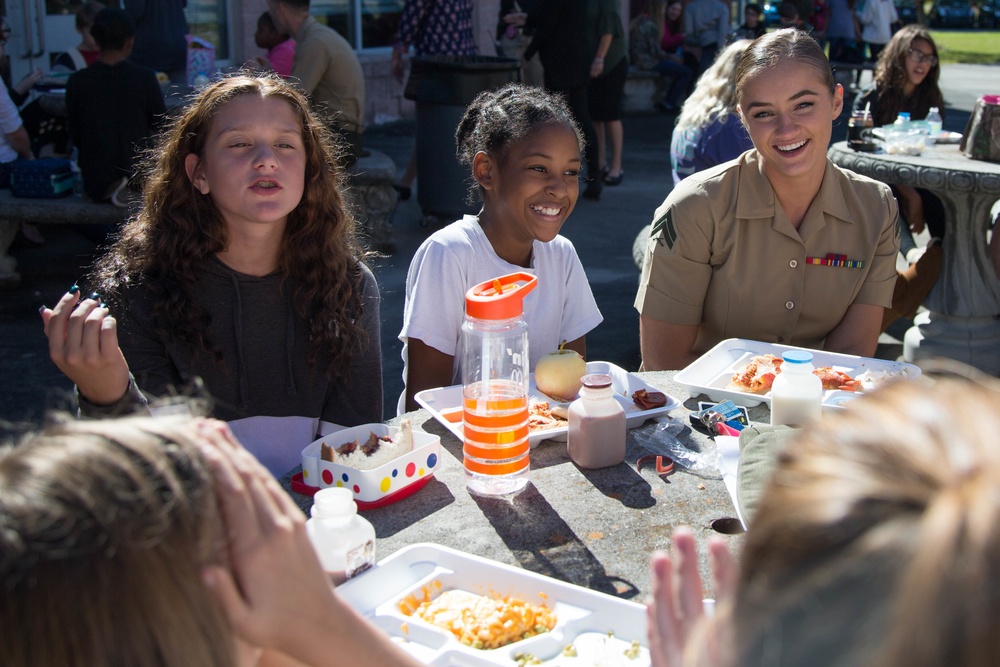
(797, 394)
(344, 541)
(596, 437)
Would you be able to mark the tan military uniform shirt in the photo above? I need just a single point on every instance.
(723, 254)
(330, 73)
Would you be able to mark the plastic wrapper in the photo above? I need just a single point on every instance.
(660, 437)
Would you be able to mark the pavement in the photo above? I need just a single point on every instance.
(602, 231)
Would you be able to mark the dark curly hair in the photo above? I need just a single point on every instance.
(164, 247)
(497, 119)
(890, 79)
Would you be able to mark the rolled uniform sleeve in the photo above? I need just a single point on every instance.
(877, 289)
(677, 267)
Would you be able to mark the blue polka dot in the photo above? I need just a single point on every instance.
(344, 476)
(395, 472)
(432, 460)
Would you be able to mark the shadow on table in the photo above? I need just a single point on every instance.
(389, 520)
(542, 542)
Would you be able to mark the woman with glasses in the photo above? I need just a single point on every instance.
(906, 79)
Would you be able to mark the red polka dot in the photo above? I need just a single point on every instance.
(327, 477)
(357, 489)
(410, 469)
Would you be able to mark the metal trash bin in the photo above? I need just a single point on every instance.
(442, 87)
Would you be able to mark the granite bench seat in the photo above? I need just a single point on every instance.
(644, 89)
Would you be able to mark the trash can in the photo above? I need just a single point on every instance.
(442, 87)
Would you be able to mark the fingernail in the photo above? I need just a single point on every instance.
(74, 289)
(41, 309)
(94, 296)
(103, 305)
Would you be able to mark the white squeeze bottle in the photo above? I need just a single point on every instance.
(344, 541)
(934, 120)
(797, 394)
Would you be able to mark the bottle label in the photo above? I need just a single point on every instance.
(360, 558)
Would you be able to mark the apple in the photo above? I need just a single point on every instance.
(558, 374)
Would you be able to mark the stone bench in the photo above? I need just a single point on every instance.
(644, 89)
(373, 199)
(369, 193)
(72, 210)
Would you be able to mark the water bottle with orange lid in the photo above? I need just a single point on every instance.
(495, 385)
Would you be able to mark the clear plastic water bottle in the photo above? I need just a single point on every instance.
(596, 437)
(797, 394)
(495, 385)
(344, 541)
(934, 120)
(903, 118)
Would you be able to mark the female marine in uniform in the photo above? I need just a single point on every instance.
(779, 245)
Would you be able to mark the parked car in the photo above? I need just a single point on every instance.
(907, 11)
(989, 15)
(952, 14)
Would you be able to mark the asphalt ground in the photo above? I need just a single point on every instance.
(602, 231)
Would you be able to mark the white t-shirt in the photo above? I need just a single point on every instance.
(453, 259)
(877, 18)
(10, 120)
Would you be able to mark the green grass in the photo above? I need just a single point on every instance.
(968, 46)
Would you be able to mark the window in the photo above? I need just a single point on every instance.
(208, 19)
(366, 24)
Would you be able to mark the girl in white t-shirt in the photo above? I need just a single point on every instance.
(523, 147)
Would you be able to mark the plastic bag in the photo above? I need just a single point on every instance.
(660, 437)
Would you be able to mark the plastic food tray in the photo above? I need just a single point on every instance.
(445, 403)
(584, 617)
(711, 373)
(389, 482)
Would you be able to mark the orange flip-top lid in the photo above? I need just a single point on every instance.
(501, 298)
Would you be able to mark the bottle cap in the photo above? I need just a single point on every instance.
(797, 357)
(596, 381)
(333, 501)
(501, 298)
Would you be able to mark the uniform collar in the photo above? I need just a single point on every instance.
(755, 198)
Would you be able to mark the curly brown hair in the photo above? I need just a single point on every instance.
(164, 247)
(890, 78)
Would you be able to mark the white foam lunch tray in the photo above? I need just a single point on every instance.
(584, 617)
(712, 372)
(445, 403)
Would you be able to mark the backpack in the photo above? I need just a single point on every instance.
(48, 178)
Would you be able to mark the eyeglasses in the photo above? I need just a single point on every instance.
(918, 56)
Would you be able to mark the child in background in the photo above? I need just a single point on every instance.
(753, 25)
(280, 47)
(523, 148)
(241, 271)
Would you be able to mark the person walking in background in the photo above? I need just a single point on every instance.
(706, 26)
(709, 130)
(280, 47)
(513, 39)
(431, 27)
(608, 72)
(877, 17)
(160, 36)
(645, 37)
(328, 70)
(113, 108)
(842, 32)
(561, 42)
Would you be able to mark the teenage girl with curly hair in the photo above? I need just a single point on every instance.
(241, 271)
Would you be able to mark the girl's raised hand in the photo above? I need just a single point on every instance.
(83, 343)
(676, 609)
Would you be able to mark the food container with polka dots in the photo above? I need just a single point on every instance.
(394, 480)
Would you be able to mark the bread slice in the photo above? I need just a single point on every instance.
(374, 452)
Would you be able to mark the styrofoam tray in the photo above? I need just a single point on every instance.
(583, 617)
(712, 372)
(385, 481)
(445, 403)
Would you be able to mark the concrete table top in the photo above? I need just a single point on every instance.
(594, 528)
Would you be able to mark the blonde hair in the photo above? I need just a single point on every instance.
(104, 526)
(714, 96)
(877, 541)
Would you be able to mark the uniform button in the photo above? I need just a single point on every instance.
(789, 305)
(781, 339)
(793, 263)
